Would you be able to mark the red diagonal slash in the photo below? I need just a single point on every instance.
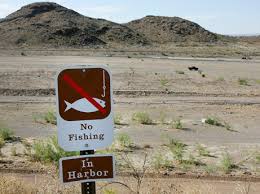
(83, 93)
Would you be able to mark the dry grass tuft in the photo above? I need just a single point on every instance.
(11, 185)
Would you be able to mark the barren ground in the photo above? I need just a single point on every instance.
(164, 88)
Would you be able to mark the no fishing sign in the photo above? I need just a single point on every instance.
(84, 108)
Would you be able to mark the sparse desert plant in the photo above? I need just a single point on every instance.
(137, 173)
(221, 79)
(175, 142)
(159, 161)
(142, 117)
(11, 185)
(118, 119)
(214, 121)
(2, 143)
(202, 150)
(162, 117)
(6, 133)
(228, 127)
(48, 151)
(243, 82)
(257, 158)
(177, 124)
(13, 151)
(124, 140)
(164, 81)
(50, 117)
(227, 163)
(180, 72)
(177, 149)
(109, 191)
(257, 81)
(210, 168)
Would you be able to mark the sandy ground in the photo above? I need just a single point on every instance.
(156, 86)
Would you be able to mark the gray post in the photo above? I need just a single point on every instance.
(90, 187)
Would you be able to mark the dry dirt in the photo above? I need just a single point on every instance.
(159, 87)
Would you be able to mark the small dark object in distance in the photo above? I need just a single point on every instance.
(193, 68)
(246, 58)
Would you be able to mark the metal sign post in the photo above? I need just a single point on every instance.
(90, 187)
(85, 122)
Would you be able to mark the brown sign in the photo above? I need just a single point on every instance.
(87, 168)
(84, 94)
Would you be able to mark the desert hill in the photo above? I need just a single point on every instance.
(40, 24)
(52, 25)
(171, 29)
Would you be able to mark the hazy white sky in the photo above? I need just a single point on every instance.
(221, 16)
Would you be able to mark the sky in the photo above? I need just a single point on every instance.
(232, 17)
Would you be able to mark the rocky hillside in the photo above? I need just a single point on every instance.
(171, 29)
(49, 24)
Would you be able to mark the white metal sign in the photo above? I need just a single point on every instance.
(84, 107)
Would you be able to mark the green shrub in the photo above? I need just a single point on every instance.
(180, 72)
(124, 140)
(202, 150)
(177, 148)
(214, 121)
(142, 117)
(218, 123)
(48, 151)
(257, 158)
(164, 81)
(109, 191)
(177, 124)
(118, 119)
(50, 117)
(6, 133)
(2, 142)
(159, 161)
(227, 163)
(243, 82)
